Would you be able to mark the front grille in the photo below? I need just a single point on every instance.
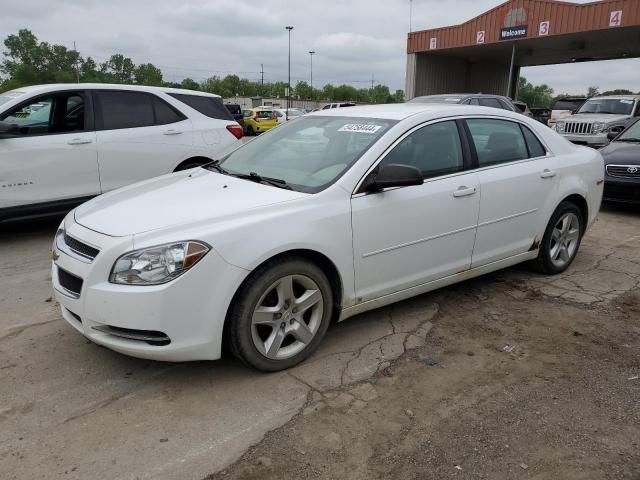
(81, 248)
(578, 128)
(625, 171)
(69, 282)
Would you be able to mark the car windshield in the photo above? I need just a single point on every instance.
(566, 104)
(10, 95)
(436, 99)
(631, 133)
(310, 153)
(619, 106)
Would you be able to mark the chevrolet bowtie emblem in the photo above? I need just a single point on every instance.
(55, 255)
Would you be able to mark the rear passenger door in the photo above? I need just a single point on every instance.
(139, 136)
(517, 181)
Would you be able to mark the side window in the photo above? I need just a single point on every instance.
(71, 117)
(505, 105)
(497, 141)
(474, 101)
(33, 118)
(490, 102)
(212, 107)
(326, 107)
(165, 113)
(125, 109)
(535, 147)
(434, 150)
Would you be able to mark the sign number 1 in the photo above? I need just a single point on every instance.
(433, 43)
(544, 28)
(615, 19)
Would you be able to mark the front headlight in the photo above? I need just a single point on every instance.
(598, 127)
(560, 127)
(157, 265)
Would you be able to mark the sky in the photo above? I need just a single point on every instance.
(354, 40)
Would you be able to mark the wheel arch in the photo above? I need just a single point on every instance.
(580, 202)
(319, 259)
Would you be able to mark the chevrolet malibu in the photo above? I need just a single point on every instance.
(337, 213)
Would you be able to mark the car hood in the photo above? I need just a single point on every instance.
(624, 153)
(180, 198)
(595, 117)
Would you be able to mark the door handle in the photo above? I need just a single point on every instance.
(464, 192)
(548, 173)
(79, 141)
(171, 131)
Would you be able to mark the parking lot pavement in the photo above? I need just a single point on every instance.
(71, 409)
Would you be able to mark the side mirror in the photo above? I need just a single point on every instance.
(393, 175)
(612, 135)
(8, 129)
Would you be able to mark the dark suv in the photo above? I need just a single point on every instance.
(622, 166)
(236, 111)
(495, 101)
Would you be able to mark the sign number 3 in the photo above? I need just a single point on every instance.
(544, 28)
(615, 19)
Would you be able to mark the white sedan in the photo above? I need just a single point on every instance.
(334, 214)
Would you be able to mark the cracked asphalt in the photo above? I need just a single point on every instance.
(506, 376)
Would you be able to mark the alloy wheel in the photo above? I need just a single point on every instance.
(564, 240)
(287, 317)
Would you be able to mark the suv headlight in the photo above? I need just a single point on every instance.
(157, 265)
(598, 127)
(560, 127)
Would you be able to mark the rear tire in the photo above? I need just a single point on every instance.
(250, 131)
(281, 315)
(561, 240)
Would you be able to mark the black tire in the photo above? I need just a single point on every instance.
(187, 165)
(544, 263)
(250, 131)
(239, 337)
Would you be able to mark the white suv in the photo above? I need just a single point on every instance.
(63, 144)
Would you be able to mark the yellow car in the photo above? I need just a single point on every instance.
(258, 120)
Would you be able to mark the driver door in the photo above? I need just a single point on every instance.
(53, 156)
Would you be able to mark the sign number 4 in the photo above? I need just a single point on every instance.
(544, 28)
(615, 18)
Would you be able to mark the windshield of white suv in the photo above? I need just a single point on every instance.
(618, 106)
(309, 154)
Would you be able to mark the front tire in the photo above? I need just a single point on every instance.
(561, 240)
(281, 315)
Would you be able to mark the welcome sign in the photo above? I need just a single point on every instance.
(512, 33)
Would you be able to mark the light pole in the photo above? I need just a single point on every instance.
(289, 28)
(311, 54)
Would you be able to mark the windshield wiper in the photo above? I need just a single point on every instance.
(215, 165)
(254, 177)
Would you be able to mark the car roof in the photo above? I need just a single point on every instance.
(402, 111)
(109, 86)
(463, 95)
(616, 97)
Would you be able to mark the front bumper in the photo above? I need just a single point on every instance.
(190, 310)
(621, 190)
(599, 140)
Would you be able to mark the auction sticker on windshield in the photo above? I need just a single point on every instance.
(360, 128)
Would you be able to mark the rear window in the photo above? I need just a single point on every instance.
(212, 107)
(234, 109)
(264, 114)
(568, 104)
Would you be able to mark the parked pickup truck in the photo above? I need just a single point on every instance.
(598, 117)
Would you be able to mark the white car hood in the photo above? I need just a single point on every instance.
(179, 198)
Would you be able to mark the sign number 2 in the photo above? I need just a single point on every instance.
(615, 19)
(480, 37)
(544, 28)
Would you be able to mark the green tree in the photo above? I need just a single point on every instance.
(538, 96)
(148, 74)
(190, 84)
(618, 91)
(593, 92)
(303, 90)
(118, 69)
